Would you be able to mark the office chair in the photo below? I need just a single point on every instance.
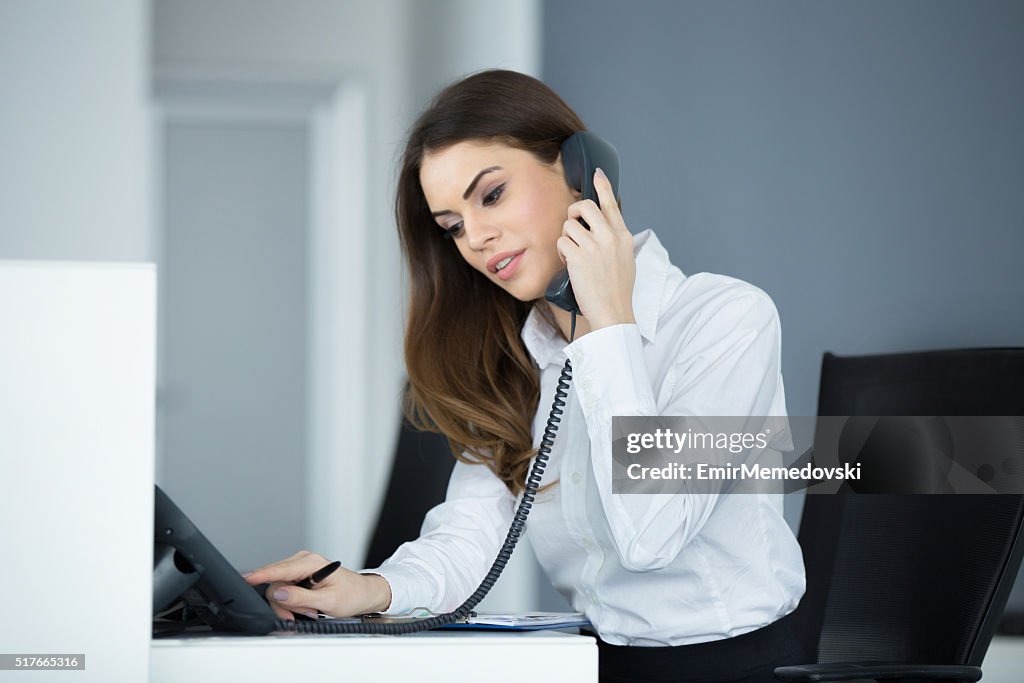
(419, 480)
(909, 586)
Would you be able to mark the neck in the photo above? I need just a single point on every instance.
(563, 320)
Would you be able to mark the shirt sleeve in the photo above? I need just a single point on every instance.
(728, 366)
(458, 543)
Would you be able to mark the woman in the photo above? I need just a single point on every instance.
(678, 587)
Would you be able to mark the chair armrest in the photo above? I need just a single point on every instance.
(848, 671)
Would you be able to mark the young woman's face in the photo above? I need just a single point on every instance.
(498, 202)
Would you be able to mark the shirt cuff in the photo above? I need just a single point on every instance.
(402, 580)
(610, 373)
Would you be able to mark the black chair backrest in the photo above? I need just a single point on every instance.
(419, 480)
(911, 578)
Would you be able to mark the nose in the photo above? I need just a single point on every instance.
(479, 233)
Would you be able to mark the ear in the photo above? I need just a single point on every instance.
(559, 170)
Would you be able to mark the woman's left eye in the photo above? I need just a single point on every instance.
(494, 195)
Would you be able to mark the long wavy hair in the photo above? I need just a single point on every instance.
(470, 376)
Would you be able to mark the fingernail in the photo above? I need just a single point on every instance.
(601, 172)
(280, 594)
(246, 575)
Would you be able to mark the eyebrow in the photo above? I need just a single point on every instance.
(469, 190)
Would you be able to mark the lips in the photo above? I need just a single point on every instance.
(492, 263)
(510, 270)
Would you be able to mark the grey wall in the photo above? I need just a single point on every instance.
(74, 146)
(234, 336)
(862, 162)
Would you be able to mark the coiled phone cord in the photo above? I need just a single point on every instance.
(514, 532)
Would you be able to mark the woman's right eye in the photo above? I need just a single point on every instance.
(454, 231)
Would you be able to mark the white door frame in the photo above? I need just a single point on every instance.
(341, 482)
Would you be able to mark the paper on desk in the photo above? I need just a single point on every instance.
(525, 622)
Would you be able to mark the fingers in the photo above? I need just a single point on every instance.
(577, 239)
(293, 597)
(342, 593)
(605, 217)
(295, 568)
(589, 211)
(609, 205)
(287, 615)
(282, 613)
(566, 248)
(287, 600)
(579, 235)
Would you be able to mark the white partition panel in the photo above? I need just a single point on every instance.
(77, 368)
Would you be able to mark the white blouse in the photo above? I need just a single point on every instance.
(647, 570)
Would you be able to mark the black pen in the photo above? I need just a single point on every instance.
(318, 576)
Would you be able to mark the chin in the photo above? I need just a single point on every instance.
(526, 293)
(527, 297)
(528, 289)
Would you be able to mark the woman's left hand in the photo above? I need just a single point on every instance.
(600, 261)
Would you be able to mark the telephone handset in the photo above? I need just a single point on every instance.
(582, 154)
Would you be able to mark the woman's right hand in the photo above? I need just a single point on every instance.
(342, 594)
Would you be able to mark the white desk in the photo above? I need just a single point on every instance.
(77, 381)
(435, 656)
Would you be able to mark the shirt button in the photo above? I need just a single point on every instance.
(576, 477)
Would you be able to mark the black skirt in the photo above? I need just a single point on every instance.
(747, 658)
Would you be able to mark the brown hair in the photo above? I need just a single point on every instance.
(471, 378)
